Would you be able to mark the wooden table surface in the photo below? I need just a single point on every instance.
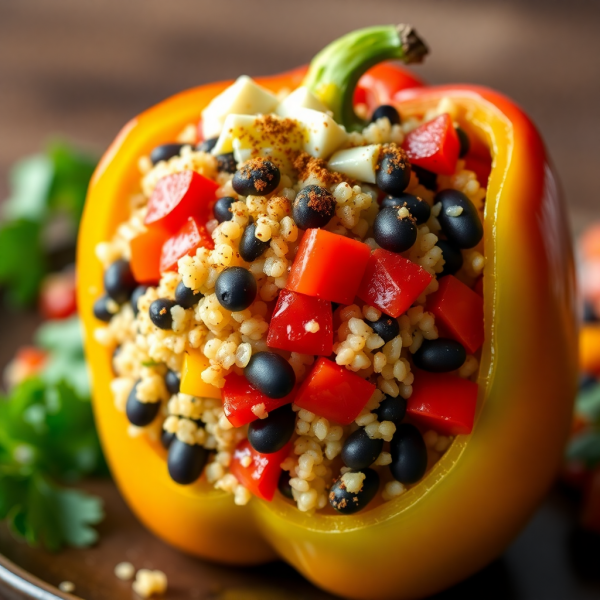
(81, 69)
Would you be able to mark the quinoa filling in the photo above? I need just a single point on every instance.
(261, 332)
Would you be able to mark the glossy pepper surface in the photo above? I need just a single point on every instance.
(482, 491)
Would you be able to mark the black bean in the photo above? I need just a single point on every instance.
(453, 257)
(417, 207)
(313, 207)
(440, 355)
(409, 454)
(426, 178)
(140, 413)
(226, 163)
(392, 409)
(185, 296)
(385, 327)
(346, 502)
(360, 451)
(393, 174)
(222, 209)
(101, 311)
(250, 246)
(589, 313)
(160, 313)
(119, 282)
(173, 382)
(385, 110)
(392, 232)
(235, 288)
(270, 374)
(284, 485)
(257, 176)
(165, 152)
(139, 291)
(166, 439)
(186, 462)
(465, 143)
(464, 230)
(207, 145)
(273, 433)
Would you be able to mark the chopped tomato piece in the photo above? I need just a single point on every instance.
(179, 196)
(443, 402)
(58, 298)
(192, 383)
(328, 266)
(334, 392)
(294, 320)
(434, 145)
(459, 310)
(191, 236)
(392, 283)
(260, 475)
(240, 398)
(146, 249)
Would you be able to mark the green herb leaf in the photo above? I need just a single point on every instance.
(588, 403)
(585, 448)
(54, 516)
(23, 263)
(30, 182)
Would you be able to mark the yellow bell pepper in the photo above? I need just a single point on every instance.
(474, 501)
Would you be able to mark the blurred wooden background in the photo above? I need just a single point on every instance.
(82, 69)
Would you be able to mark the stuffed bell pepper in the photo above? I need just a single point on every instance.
(329, 318)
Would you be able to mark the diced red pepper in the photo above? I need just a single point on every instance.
(179, 196)
(334, 392)
(479, 286)
(58, 298)
(481, 166)
(459, 310)
(239, 398)
(190, 237)
(328, 266)
(392, 283)
(288, 326)
(434, 145)
(146, 249)
(443, 402)
(261, 476)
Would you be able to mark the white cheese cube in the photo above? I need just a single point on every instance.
(244, 97)
(301, 97)
(322, 135)
(234, 126)
(358, 163)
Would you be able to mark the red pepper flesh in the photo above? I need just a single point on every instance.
(261, 476)
(239, 398)
(392, 283)
(328, 266)
(334, 392)
(434, 145)
(190, 237)
(443, 402)
(287, 329)
(179, 196)
(458, 311)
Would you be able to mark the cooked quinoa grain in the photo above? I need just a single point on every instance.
(211, 315)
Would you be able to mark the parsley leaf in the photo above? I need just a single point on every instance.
(47, 194)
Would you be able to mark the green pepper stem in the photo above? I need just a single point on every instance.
(335, 71)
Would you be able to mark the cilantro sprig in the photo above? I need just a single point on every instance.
(47, 440)
(47, 193)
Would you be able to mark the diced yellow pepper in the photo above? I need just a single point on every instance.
(191, 376)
